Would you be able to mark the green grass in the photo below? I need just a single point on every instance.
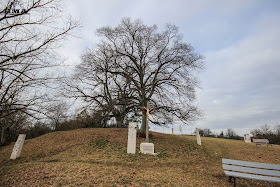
(95, 157)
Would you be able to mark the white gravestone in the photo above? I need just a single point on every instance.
(131, 140)
(18, 146)
(147, 148)
(247, 138)
(198, 139)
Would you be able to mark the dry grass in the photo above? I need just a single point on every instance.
(97, 157)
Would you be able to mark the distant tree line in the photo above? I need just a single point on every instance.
(57, 120)
(263, 132)
(229, 134)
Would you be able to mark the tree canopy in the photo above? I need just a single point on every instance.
(135, 63)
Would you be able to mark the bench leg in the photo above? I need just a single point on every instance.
(234, 180)
(229, 179)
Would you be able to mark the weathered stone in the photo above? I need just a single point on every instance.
(18, 146)
(131, 140)
(147, 148)
(247, 138)
(198, 138)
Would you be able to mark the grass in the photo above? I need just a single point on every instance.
(95, 157)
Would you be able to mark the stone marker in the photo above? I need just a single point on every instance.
(131, 140)
(247, 138)
(147, 148)
(18, 146)
(198, 139)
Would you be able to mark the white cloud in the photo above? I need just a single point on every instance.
(243, 80)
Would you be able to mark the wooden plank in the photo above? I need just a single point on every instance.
(260, 141)
(251, 176)
(251, 164)
(273, 173)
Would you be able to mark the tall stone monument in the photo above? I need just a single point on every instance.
(18, 146)
(131, 140)
(198, 139)
(247, 138)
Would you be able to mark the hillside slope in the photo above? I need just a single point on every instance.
(95, 157)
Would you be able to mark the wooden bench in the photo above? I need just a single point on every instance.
(262, 141)
(251, 170)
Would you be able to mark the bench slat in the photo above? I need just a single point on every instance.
(260, 140)
(252, 170)
(251, 164)
(251, 176)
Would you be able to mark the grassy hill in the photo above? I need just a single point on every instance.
(95, 157)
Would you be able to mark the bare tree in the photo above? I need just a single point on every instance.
(134, 64)
(28, 37)
(205, 132)
(57, 114)
(277, 130)
(158, 65)
(231, 134)
(107, 95)
(263, 131)
(11, 124)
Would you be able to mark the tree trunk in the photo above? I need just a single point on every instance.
(104, 123)
(119, 122)
(144, 121)
(3, 138)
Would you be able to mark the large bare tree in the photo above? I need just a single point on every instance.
(30, 31)
(158, 66)
(105, 93)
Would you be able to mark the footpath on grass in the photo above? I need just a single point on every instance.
(94, 157)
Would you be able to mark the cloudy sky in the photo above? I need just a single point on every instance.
(240, 40)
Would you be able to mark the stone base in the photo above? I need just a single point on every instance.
(248, 141)
(147, 148)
